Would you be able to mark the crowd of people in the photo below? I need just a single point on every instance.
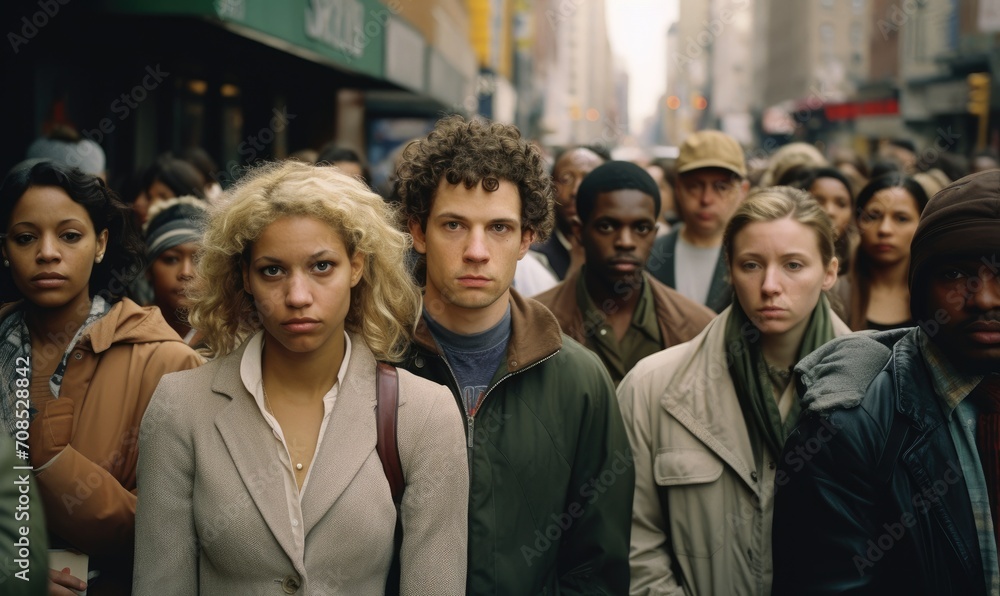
(507, 375)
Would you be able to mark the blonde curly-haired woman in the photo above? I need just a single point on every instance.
(259, 471)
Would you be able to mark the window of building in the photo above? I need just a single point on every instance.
(857, 34)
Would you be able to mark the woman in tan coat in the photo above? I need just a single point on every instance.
(259, 472)
(81, 361)
(707, 418)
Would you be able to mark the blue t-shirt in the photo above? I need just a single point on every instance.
(474, 358)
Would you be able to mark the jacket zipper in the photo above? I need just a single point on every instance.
(472, 418)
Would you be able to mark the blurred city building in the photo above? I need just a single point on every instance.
(838, 73)
(577, 75)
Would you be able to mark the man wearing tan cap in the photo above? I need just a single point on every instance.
(711, 183)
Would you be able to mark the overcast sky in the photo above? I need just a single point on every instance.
(638, 32)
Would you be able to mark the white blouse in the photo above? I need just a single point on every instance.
(250, 373)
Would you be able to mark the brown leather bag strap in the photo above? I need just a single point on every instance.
(386, 409)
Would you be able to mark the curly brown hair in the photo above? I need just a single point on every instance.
(469, 152)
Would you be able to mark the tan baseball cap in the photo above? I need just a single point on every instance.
(711, 149)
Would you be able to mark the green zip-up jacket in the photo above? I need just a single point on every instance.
(551, 472)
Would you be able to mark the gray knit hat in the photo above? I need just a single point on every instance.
(173, 222)
(84, 154)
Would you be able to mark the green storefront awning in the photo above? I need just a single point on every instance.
(348, 34)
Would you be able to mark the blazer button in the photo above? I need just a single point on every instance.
(290, 584)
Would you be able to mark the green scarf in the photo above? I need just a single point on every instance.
(749, 371)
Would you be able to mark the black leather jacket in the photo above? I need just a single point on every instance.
(873, 500)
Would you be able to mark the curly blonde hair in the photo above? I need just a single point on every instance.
(384, 304)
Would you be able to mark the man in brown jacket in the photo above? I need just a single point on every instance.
(612, 305)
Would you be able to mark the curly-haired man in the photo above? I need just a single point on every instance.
(551, 475)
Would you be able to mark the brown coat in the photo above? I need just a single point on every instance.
(680, 318)
(88, 490)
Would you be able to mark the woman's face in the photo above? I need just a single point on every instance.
(170, 275)
(835, 199)
(141, 207)
(300, 276)
(52, 247)
(887, 223)
(778, 274)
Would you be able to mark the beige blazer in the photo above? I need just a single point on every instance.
(212, 516)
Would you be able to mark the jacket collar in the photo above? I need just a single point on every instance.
(349, 441)
(126, 322)
(534, 334)
(912, 379)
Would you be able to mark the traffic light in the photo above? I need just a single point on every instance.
(979, 94)
(979, 103)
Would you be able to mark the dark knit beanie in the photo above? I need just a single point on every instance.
(611, 176)
(963, 218)
(173, 222)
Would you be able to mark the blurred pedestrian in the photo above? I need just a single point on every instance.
(795, 157)
(664, 174)
(986, 159)
(167, 178)
(346, 160)
(64, 145)
(832, 190)
(91, 359)
(888, 210)
(711, 184)
(173, 238)
(612, 305)
(209, 171)
(568, 171)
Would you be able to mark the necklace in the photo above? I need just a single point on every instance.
(267, 403)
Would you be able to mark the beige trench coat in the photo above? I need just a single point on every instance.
(702, 511)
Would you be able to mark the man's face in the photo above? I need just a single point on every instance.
(568, 172)
(618, 235)
(964, 297)
(707, 198)
(473, 241)
(666, 191)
